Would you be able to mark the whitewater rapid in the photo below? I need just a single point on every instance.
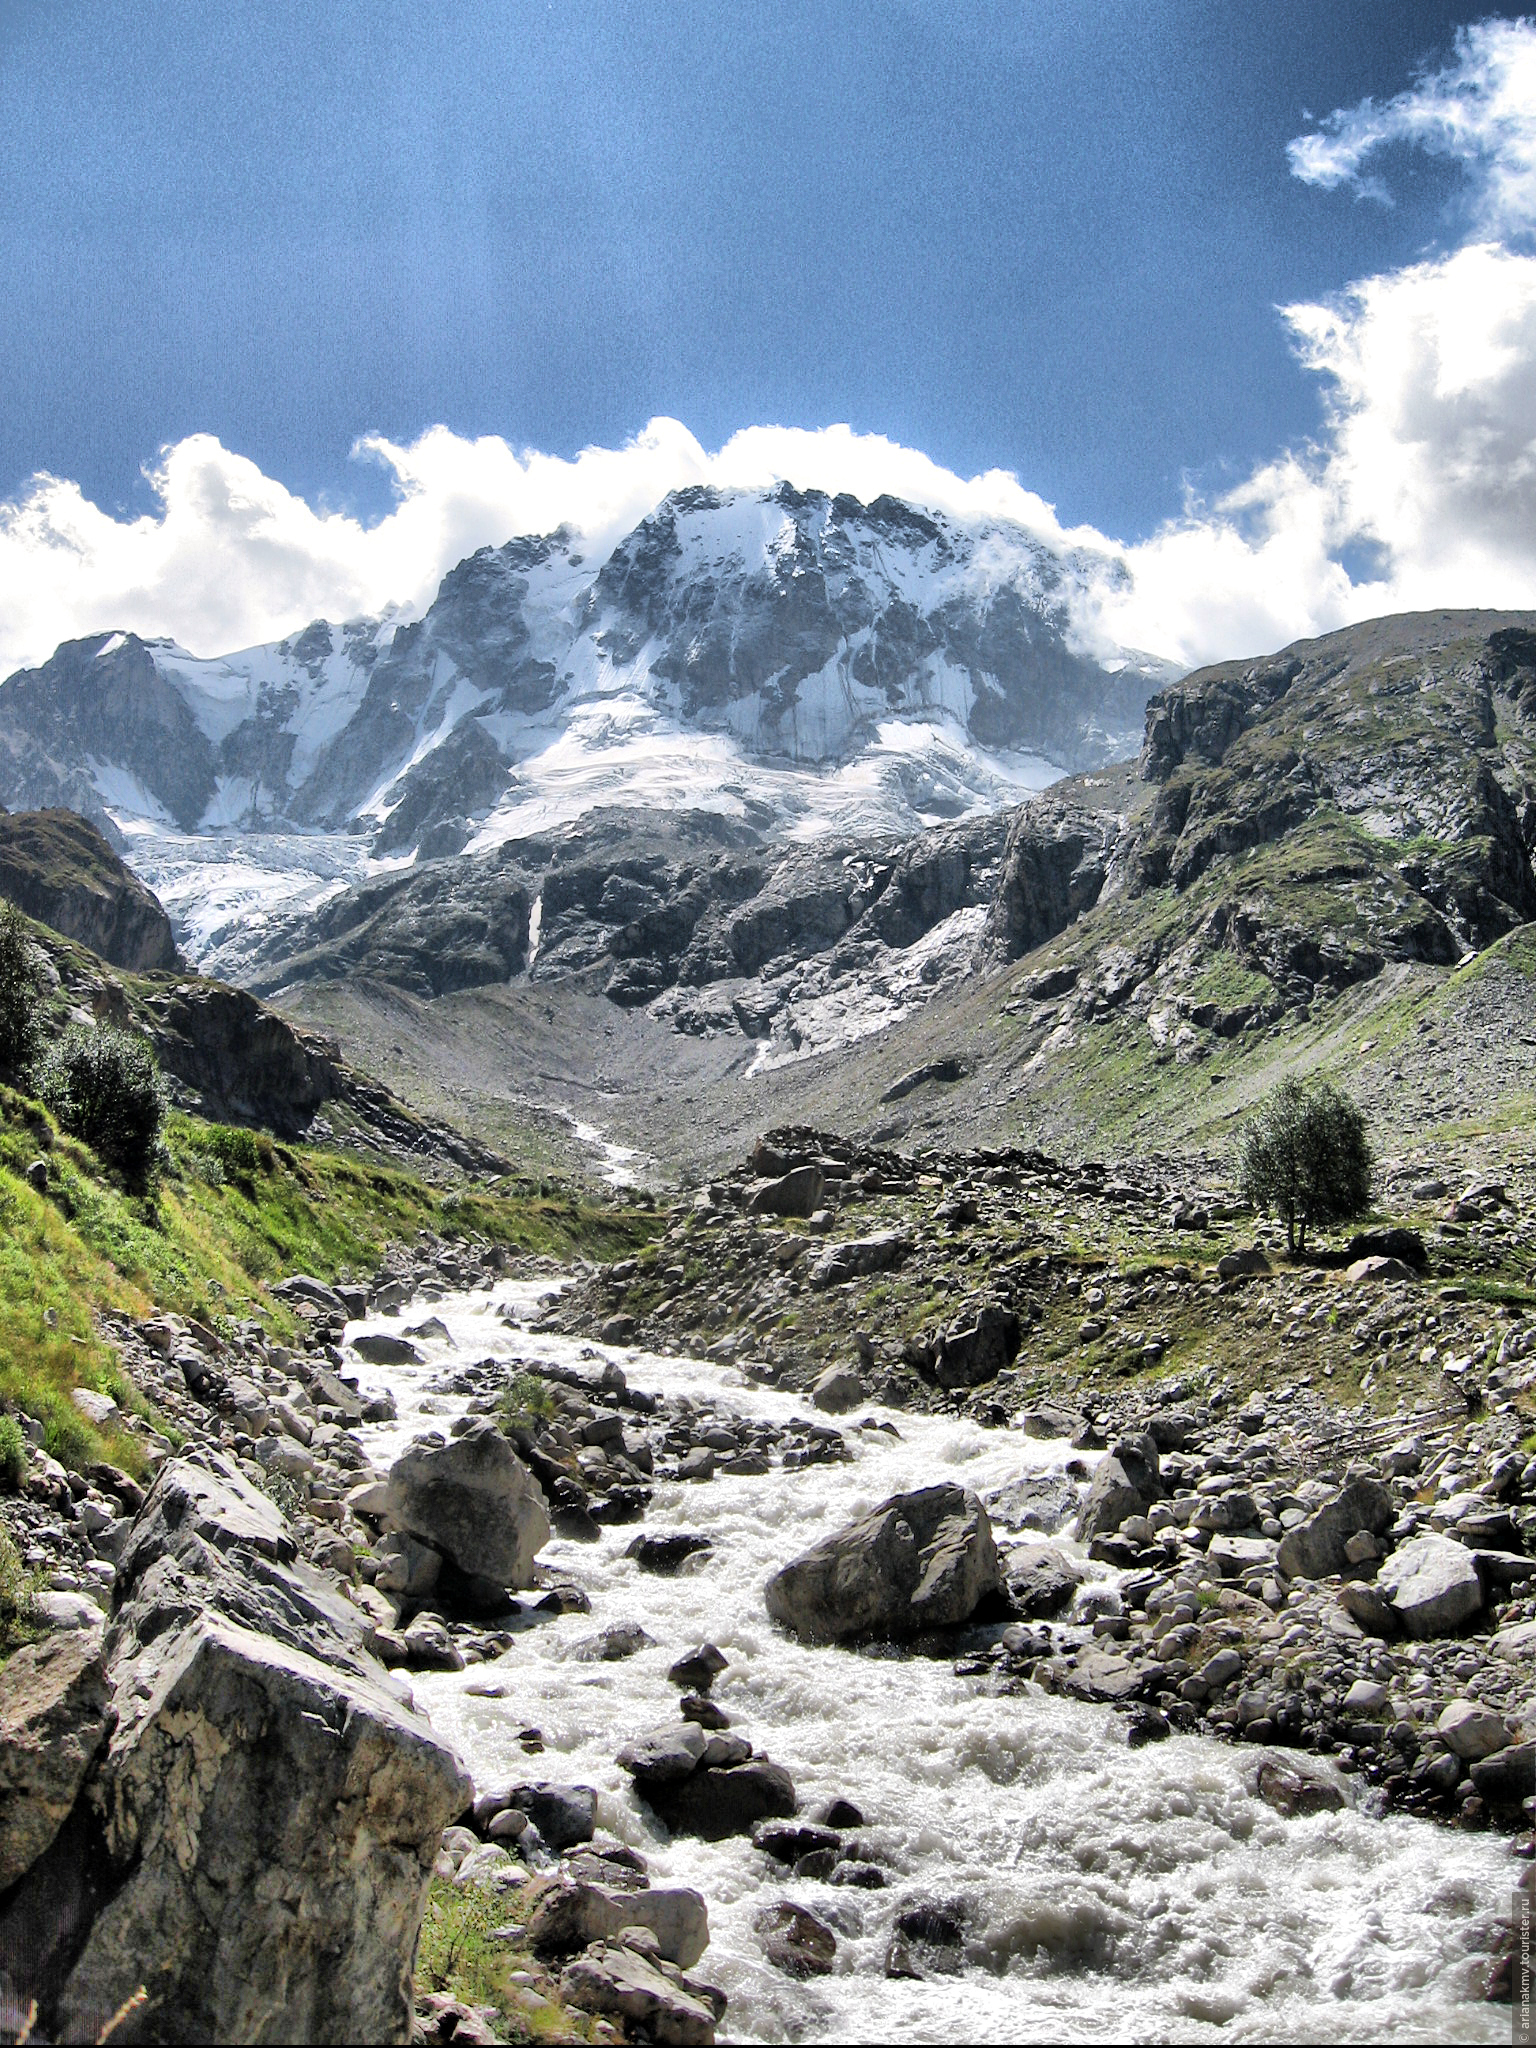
(1110, 1893)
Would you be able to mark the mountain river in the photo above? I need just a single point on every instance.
(1109, 1893)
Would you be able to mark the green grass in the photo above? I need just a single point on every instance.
(18, 1589)
(209, 1246)
(460, 1955)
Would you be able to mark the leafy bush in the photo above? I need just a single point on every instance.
(1305, 1155)
(237, 1151)
(13, 1453)
(20, 992)
(104, 1087)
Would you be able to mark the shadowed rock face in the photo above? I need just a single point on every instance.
(57, 867)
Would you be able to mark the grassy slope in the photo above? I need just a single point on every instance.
(208, 1247)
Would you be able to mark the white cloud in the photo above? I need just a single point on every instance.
(1426, 463)
(1479, 110)
(231, 557)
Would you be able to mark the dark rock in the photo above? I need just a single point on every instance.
(667, 1553)
(698, 1669)
(563, 1814)
(795, 1940)
(716, 1803)
(977, 1348)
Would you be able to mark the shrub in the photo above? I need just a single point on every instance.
(1305, 1155)
(104, 1087)
(13, 1454)
(20, 992)
(237, 1151)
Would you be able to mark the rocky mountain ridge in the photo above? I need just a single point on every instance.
(784, 627)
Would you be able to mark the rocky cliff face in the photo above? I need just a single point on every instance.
(59, 869)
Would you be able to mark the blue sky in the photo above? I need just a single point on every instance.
(1051, 238)
(1048, 236)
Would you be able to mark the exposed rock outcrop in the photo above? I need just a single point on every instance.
(57, 867)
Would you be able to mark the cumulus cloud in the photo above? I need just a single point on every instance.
(1419, 491)
(230, 557)
(1426, 465)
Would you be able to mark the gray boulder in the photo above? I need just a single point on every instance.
(257, 1838)
(1317, 1547)
(838, 1390)
(380, 1347)
(1432, 1584)
(616, 1982)
(796, 1193)
(473, 1501)
(1112, 1499)
(53, 1720)
(918, 1561)
(571, 1916)
(275, 1822)
(1042, 1579)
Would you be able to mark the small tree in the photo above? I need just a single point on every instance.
(20, 992)
(1306, 1156)
(104, 1087)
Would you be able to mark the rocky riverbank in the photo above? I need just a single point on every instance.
(1231, 1536)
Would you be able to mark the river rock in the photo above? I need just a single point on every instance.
(716, 1803)
(570, 1916)
(1294, 1789)
(615, 1981)
(474, 1501)
(1508, 1776)
(1471, 1731)
(918, 1561)
(795, 1941)
(668, 1552)
(563, 1814)
(977, 1347)
(698, 1669)
(380, 1348)
(838, 1390)
(1432, 1584)
(663, 1755)
(1042, 1579)
(53, 1720)
(1319, 1545)
(1112, 1500)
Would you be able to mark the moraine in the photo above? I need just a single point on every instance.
(1106, 1891)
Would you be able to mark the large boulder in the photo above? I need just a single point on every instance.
(918, 1561)
(569, 1916)
(474, 1501)
(1125, 1483)
(1432, 1584)
(255, 1844)
(53, 1720)
(977, 1347)
(614, 1981)
(714, 1803)
(796, 1193)
(1316, 1547)
(275, 1822)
